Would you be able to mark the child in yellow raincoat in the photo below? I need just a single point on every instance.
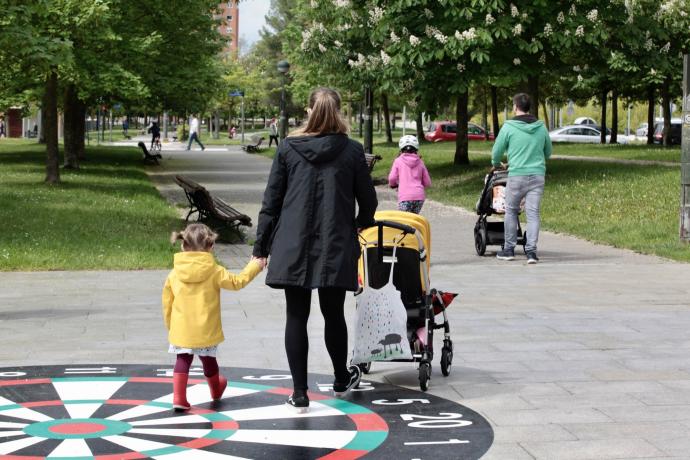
(191, 308)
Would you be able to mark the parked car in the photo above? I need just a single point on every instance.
(585, 121)
(582, 134)
(641, 130)
(675, 134)
(442, 131)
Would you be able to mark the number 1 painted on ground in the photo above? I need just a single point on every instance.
(450, 441)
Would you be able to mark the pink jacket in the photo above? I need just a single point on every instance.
(410, 176)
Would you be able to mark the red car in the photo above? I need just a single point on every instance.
(442, 131)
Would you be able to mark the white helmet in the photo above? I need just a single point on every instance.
(408, 141)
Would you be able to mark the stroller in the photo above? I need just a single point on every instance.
(492, 201)
(410, 235)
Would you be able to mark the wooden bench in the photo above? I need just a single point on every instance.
(253, 147)
(208, 207)
(371, 160)
(148, 158)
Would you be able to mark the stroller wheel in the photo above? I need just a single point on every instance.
(446, 361)
(479, 243)
(424, 375)
(364, 367)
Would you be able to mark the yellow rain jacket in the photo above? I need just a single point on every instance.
(191, 298)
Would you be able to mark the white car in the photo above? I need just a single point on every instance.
(581, 134)
(585, 121)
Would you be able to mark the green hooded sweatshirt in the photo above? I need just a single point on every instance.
(526, 142)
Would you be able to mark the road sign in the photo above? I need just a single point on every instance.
(236, 93)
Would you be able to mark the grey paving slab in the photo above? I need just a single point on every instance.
(615, 448)
(581, 356)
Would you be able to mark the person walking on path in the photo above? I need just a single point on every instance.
(155, 131)
(2, 128)
(526, 142)
(191, 308)
(194, 133)
(308, 226)
(410, 176)
(273, 132)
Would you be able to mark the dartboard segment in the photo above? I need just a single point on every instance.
(109, 412)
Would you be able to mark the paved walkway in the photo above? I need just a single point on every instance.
(582, 356)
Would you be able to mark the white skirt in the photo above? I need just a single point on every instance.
(207, 351)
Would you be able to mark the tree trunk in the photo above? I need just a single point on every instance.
(651, 102)
(666, 103)
(546, 115)
(80, 140)
(604, 98)
(420, 126)
(393, 122)
(70, 102)
(462, 154)
(533, 89)
(368, 120)
(485, 114)
(42, 134)
(494, 110)
(614, 117)
(387, 117)
(50, 127)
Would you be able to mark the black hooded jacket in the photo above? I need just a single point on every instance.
(307, 221)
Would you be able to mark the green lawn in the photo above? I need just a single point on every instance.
(627, 206)
(108, 215)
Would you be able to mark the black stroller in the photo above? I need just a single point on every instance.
(491, 233)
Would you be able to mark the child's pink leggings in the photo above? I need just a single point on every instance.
(184, 362)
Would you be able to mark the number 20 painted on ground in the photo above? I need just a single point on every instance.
(443, 420)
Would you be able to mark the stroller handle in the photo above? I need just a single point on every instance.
(402, 227)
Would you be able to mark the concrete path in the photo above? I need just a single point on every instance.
(583, 356)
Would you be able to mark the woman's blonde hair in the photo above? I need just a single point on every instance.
(325, 117)
(196, 237)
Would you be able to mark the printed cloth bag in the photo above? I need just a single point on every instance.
(380, 322)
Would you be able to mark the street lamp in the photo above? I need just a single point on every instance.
(284, 68)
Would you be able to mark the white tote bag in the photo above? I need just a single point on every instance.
(380, 322)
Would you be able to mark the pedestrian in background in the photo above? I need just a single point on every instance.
(273, 132)
(526, 142)
(194, 133)
(410, 176)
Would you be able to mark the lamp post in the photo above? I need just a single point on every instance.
(283, 68)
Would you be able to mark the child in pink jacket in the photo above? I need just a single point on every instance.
(410, 176)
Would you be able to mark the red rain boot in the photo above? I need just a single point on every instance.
(217, 385)
(180, 392)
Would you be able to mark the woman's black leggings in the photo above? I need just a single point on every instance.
(298, 301)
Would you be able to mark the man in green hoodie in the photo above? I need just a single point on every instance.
(526, 142)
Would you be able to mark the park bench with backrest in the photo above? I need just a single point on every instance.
(148, 157)
(371, 160)
(255, 143)
(208, 207)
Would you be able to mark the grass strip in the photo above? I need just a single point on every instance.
(106, 216)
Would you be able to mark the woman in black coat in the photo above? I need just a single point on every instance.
(308, 226)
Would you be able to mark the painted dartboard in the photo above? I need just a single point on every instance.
(125, 412)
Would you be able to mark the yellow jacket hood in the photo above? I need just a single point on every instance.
(194, 267)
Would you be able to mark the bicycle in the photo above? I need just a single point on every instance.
(156, 146)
